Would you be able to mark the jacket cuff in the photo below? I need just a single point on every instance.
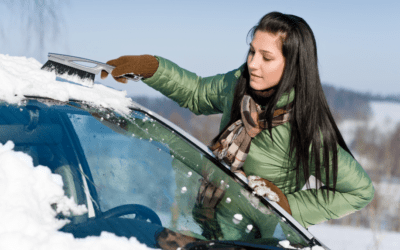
(159, 72)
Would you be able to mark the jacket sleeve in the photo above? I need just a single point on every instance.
(201, 95)
(354, 190)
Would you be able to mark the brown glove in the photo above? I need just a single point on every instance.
(208, 197)
(143, 65)
(170, 240)
(268, 189)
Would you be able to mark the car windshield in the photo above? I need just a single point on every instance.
(130, 168)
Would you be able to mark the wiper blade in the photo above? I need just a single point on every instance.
(227, 245)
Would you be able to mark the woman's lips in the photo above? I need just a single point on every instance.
(252, 75)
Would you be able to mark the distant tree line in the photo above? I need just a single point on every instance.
(347, 104)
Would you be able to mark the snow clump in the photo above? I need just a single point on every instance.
(286, 244)
(21, 76)
(28, 220)
(259, 186)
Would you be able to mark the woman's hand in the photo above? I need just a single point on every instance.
(268, 189)
(208, 197)
(143, 65)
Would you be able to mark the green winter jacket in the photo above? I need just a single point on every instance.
(212, 95)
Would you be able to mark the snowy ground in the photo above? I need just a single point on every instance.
(349, 238)
(385, 119)
(386, 115)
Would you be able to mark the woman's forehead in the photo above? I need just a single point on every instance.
(267, 42)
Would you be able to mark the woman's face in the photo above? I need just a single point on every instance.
(265, 61)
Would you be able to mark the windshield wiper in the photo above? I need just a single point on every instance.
(227, 245)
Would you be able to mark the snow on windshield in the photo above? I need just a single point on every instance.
(21, 76)
(27, 219)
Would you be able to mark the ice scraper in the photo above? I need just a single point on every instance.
(68, 67)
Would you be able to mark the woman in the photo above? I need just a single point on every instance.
(276, 123)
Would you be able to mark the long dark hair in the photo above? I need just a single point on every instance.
(312, 124)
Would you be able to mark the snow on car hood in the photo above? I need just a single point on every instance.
(21, 76)
(27, 219)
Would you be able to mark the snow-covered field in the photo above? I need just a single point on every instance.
(384, 119)
(349, 238)
(27, 219)
(386, 116)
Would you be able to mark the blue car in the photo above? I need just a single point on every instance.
(141, 176)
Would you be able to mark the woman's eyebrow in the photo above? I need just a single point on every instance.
(264, 51)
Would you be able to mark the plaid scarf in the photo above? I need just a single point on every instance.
(234, 143)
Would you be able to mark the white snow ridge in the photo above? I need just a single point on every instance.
(21, 76)
(27, 219)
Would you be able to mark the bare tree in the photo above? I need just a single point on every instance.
(40, 22)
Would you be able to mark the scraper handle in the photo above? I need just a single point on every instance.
(71, 62)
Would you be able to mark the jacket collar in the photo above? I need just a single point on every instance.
(285, 99)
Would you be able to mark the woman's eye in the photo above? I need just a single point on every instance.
(266, 59)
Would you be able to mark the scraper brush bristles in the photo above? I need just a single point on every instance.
(65, 71)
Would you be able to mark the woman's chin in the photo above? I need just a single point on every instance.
(257, 86)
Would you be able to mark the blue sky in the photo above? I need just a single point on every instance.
(358, 41)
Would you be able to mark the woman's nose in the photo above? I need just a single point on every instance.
(253, 62)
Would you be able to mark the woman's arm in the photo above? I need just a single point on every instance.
(201, 95)
(354, 190)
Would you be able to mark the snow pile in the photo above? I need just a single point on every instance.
(260, 187)
(21, 76)
(27, 219)
(286, 244)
